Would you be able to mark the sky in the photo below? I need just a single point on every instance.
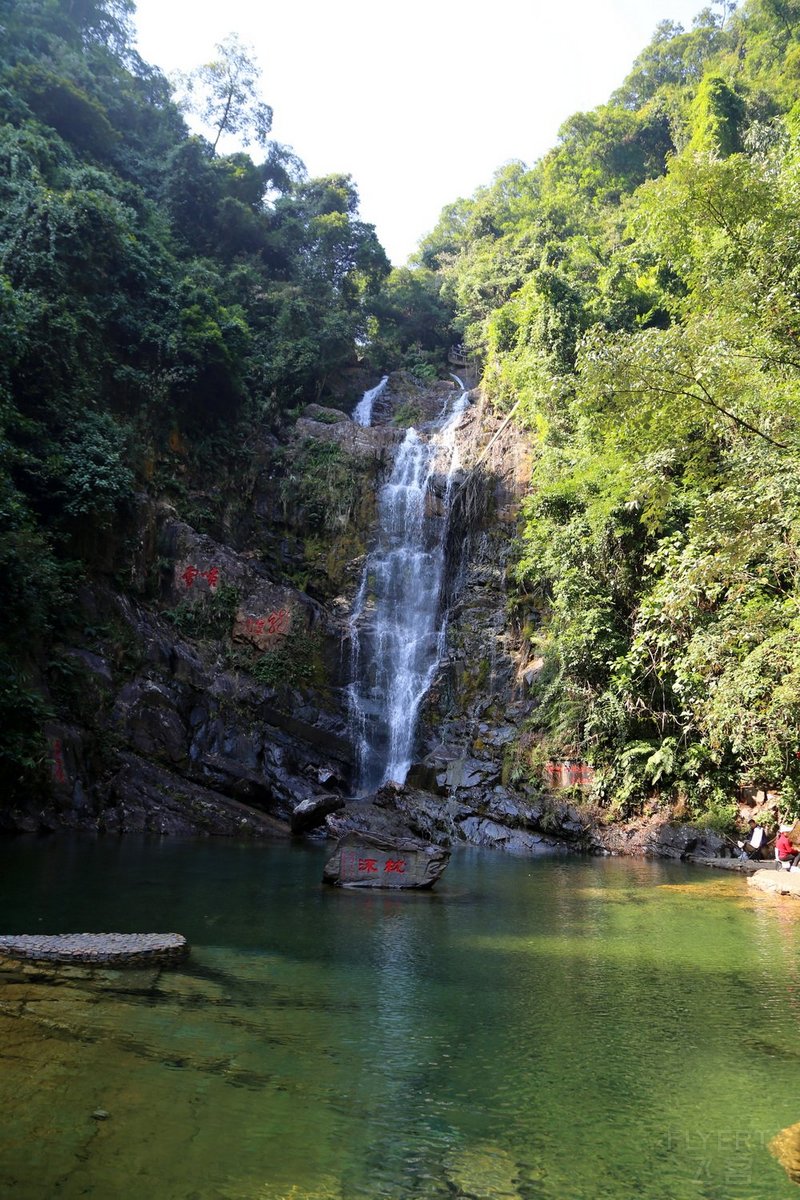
(421, 101)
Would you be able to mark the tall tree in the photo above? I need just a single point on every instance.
(223, 93)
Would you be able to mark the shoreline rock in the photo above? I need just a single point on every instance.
(776, 883)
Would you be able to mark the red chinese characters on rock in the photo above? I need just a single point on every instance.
(569, 775)
(279, 622)
(358, 866)
(370, 865)
(59, 773)
(192, 574)
(275, 623)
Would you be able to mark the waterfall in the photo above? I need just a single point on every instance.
(397, 627)
(362, 414)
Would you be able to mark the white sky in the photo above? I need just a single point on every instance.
(420, 101)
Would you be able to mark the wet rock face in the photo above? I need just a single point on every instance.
(355, 439)
(215, 706)
(194, 748)
(147, 712)
(499, 821)
(481, 697)
(676, 841)
(482, 832)
(142, 797)
(212, 699)
(652, 835)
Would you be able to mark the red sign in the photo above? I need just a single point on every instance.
(357, 866)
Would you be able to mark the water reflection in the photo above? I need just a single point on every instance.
(533, 1030)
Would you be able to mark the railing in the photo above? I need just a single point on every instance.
(457, 356)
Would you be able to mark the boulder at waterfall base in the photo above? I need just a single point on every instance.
(365, 861)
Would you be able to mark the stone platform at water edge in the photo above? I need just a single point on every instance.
(779, 883)
(102, 949)
(748, 867)
(363, 860)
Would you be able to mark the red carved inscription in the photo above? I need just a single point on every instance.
(192, 574)
(274, 623)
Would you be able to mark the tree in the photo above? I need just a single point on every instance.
(717, 113)
(223, 94)
(411, 323)
(783, 12)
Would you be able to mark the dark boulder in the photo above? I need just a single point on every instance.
(311, 812)
(365, 861)
(364, 817)
(146, 798)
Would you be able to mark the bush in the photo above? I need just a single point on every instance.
(322, 485)
(209, 617)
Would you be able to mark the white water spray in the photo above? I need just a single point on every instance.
(397, 628)
(362, 414)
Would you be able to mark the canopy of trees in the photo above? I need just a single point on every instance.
(147, 283)
(637, 295)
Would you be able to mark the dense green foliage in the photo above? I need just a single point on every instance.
(636, 296)
(152, 291)
(410, 324)
(322, 483)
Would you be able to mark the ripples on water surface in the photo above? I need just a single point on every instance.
(574, 1030)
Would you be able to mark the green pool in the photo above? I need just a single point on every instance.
(554, 1030)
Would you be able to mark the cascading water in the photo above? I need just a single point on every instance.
(397, 628)
(362, 414)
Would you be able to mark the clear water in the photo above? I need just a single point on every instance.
(570, 1030)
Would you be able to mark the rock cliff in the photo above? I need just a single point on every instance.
(205, 688)
(202, 690)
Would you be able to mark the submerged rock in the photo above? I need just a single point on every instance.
(365, 861)
(469, 772)
(484, 1172)
(786, 1148)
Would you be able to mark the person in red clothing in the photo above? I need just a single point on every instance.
(784, 850)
